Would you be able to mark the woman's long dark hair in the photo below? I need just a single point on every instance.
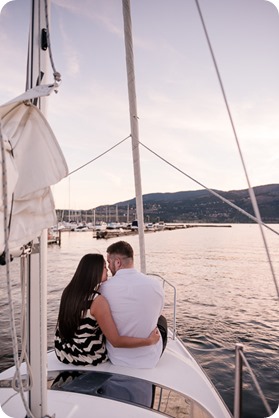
(76, 296)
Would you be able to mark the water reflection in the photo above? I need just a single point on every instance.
(225, 295)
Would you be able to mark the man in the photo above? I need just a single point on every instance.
(136, 302)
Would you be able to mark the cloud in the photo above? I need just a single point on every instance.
(70, 53)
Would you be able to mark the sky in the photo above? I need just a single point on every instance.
(181, 110)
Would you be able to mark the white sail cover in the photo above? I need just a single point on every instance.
(34, 162)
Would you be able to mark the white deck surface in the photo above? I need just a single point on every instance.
(176, 370)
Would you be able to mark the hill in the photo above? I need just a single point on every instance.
(191, 206)
(202, 206)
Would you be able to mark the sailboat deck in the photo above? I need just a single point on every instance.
(176, 387)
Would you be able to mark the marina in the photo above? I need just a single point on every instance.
(120, 230)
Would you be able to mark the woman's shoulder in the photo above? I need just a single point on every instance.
(97, 303)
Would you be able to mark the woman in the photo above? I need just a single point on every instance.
(85, 320)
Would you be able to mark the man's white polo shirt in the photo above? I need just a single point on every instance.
(136, 302)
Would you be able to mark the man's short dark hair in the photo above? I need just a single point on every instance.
(121, 248)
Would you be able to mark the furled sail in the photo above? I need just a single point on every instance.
(33, 161)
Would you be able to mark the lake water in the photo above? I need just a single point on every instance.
(225, 293)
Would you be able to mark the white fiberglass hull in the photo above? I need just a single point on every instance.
(180, 388)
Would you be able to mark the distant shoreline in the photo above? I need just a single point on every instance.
(110, 233)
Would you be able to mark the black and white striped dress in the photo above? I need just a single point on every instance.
(86, 347)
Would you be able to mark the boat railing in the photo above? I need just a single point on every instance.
(239, 360)
(166, 282)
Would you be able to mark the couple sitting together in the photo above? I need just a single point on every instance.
(117, 319)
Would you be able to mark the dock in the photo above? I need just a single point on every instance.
(54, 238)
(112, 233)
(121, 232)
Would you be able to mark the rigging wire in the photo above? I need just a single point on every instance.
(250, 370)
(213, 192)
(228, 202)
(99, 156)
(256, 383)
(251, 190)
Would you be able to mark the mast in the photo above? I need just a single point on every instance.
(37, 266)
(134, 126)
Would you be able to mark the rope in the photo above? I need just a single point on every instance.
(251, 190)
(56, 74)
(23, 333)
(9, 285)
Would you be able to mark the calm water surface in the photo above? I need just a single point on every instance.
(226, 295)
